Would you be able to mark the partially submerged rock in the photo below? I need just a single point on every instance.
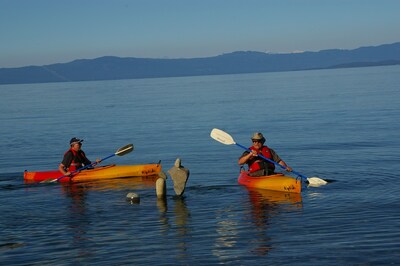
(161, 190)
(133, 197)
(179, 175)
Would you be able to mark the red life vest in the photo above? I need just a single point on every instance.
(258, 163)
(78, 157)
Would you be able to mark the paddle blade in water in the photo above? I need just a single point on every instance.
(316, 182)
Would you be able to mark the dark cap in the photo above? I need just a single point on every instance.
(74, 140)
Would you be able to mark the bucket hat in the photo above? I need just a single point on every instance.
(258, 136)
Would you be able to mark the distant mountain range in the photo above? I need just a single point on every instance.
(113, 68)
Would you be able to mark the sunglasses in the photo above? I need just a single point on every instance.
(257, 141)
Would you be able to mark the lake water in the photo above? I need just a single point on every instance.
(341, 125)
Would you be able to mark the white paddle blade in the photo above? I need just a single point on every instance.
(316, 182)
(222, 136)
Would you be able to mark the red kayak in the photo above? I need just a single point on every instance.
(98, 173)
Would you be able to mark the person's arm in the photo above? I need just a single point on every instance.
(288, 168)
(62, 168)
(278, 159)
(64, 165)
(85, 159)
(246, 157)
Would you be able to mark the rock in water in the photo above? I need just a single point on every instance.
(162, 175)
(160, 188)
(179, 175)
(133, 197)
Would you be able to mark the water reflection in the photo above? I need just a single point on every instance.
(228, 234)
(140, 182)
(266, 204)
(78, 220)
(182, 217)
(182, 214)
(263, 199)
(162, 206)
(181, 221)
(245, 227)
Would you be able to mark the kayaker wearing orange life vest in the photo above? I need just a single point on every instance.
(257, 165)
(74, 158)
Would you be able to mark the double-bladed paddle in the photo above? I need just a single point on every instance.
(225, 138)
(120, 152)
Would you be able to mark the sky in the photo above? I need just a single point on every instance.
(42, 32)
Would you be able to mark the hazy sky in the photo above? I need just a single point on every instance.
(39, 32)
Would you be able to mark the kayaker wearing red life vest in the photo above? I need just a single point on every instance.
(74, 158)
(257, 165)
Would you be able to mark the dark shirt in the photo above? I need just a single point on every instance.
(81, 159)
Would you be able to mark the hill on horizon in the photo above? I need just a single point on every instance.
(114, 68)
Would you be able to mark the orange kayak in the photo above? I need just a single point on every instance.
(277, 182)
(98, 173)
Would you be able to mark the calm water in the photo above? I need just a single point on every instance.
(341, 125)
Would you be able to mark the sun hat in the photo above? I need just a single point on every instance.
(258, 136)
(75, 140)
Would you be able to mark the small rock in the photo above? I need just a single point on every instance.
(133, 197)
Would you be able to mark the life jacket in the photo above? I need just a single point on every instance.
(259, 163)
(78, 158)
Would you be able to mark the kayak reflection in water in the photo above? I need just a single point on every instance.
(74, 158)
(257, 165)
